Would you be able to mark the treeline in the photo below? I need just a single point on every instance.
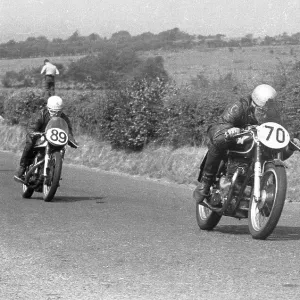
(174, 38)
(93, 43)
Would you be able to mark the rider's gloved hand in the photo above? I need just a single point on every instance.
(296, 142)
(35, 134)
(294, 146)
(231, 132)
(73, 143)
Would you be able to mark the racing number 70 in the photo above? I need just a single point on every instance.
(280, 134)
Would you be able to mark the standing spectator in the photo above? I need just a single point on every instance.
(50, 72)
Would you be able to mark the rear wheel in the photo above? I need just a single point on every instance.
(264, 214)
(206, 219)
(51, 182)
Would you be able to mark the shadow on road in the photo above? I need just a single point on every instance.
(285, 233)
(281, 233)
(78, 198)
(232, 229)
(73, 199)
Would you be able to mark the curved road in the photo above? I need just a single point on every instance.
(108, 236)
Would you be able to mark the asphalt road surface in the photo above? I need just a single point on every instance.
(108, 236)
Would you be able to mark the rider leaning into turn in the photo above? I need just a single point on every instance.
(38, 123)
(235, 117)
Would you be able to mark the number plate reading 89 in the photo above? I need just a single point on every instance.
(273, 135)
(57, 136)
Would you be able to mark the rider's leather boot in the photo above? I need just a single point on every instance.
(202, 190)
(19, 176)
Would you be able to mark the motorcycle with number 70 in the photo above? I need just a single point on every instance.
(44, 172)
(251, 181)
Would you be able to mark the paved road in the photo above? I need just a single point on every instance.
(116, 237)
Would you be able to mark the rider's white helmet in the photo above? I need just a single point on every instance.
(55, 103)
(262, 93)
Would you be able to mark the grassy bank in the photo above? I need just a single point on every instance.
(178, 166)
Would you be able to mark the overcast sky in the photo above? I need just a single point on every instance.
(20, 19)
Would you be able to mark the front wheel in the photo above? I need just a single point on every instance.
(27, 191)
(51, 181)
(206, 219)
(265, 213)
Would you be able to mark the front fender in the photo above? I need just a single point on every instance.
(277, 162)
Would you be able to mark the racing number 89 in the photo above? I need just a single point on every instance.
(280, 134)
(61, 137)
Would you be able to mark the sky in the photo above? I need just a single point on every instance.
(20, 19)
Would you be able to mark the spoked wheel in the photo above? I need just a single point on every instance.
(264, 214)
(206, 219)
(27, 191)
(51, 182)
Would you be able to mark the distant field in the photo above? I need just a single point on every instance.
(250, 65)
(24, 63)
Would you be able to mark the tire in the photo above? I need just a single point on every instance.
(27, 191)
(52, 183)
(264, 215)
(206, 219)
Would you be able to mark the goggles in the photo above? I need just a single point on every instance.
(54, 112)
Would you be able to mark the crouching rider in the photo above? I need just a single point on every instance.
(38, 123)
(247, 111)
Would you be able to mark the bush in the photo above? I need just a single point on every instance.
(20, 105)
(85, 110)
(131, 116)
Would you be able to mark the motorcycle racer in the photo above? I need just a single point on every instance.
(247, 111)
(38, 123)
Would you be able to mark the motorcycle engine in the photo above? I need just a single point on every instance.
(237, 162)
(225, 181)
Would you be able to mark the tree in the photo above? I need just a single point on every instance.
(57, 41)
(94, 37)
(121, 36)
(220, 36)
(268, 40)
(74, 37)
(11, 43)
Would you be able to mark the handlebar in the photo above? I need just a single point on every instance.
(242, 133)
(36, 134)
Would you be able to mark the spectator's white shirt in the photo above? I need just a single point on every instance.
(49, 69)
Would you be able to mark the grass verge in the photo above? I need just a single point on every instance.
(179, 166)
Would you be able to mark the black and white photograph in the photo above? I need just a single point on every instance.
(149, 150)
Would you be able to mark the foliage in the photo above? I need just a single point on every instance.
(109, 69)
(153, 110)
(27, 77)
(131, 116)
(84, 110)
(77, 44)
(21, 104)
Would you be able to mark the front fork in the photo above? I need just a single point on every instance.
(47, 157)
(257, 173)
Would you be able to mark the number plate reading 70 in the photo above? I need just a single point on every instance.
(57, 136)
(273, 135)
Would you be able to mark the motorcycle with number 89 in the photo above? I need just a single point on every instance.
(44, 172)
(251, 181)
